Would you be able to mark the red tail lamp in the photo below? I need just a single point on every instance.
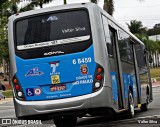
(17, 87)
(99, 77)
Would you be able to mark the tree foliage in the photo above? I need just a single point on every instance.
(153, 47)
(109, 6)
(65, 1)
(94, 1)
(154, 31)
(39, 3)
(136, 27)
(3, 33)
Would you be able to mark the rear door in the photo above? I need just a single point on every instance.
(114, 60)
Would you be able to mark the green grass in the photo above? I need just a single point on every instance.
(8, 94)
(155, 73)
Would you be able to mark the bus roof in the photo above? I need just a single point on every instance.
(71, 6)
(50, 9)
(120, 26)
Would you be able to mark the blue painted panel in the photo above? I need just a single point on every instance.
(75, 71)
(128, 80)
(114, 86)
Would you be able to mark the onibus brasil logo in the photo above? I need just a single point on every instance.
(34, 72)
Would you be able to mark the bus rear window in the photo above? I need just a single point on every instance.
(52, 29)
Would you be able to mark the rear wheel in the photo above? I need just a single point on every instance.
(130, 111)
(144, 107)
(65, 121)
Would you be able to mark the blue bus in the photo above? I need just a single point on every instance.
(72, 60)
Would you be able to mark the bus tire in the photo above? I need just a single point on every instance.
(130, 111)
(66, 121)
(144, 107)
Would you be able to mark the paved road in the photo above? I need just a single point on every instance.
(154, 110)
(7, 111)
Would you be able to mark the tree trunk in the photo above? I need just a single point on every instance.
(109, 6)
(105, 7)
(4, 69)
(94, 1)
(153, 59)
(9, 75)
(41, 5)
(156, 58)
(65, 1)
(151, 55)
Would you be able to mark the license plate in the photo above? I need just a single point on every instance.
(55, 79)
(57, 88)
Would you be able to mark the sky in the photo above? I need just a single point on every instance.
(147, 11)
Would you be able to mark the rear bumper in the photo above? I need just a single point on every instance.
(94, 100)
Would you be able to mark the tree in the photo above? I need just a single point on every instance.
(3, 36)
(27, 8)
(136, 27)
(7, 8)
(40, 2)
(109, 6)
(154, 31)
(153, 47)
(35, 3)
(11, 5)
(65, 1)
(94, 1)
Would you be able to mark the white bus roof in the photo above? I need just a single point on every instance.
(71, 6)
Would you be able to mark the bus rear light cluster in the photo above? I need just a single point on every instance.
(17, 88)
(98, 80)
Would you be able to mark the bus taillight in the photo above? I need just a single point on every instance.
(98, 77)
(18, 89)
(98, 80)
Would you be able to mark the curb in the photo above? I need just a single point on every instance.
(7, 100)
(153, 85)
(7, 91)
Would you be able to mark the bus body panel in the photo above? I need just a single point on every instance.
(79, 103)
(39, 74)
